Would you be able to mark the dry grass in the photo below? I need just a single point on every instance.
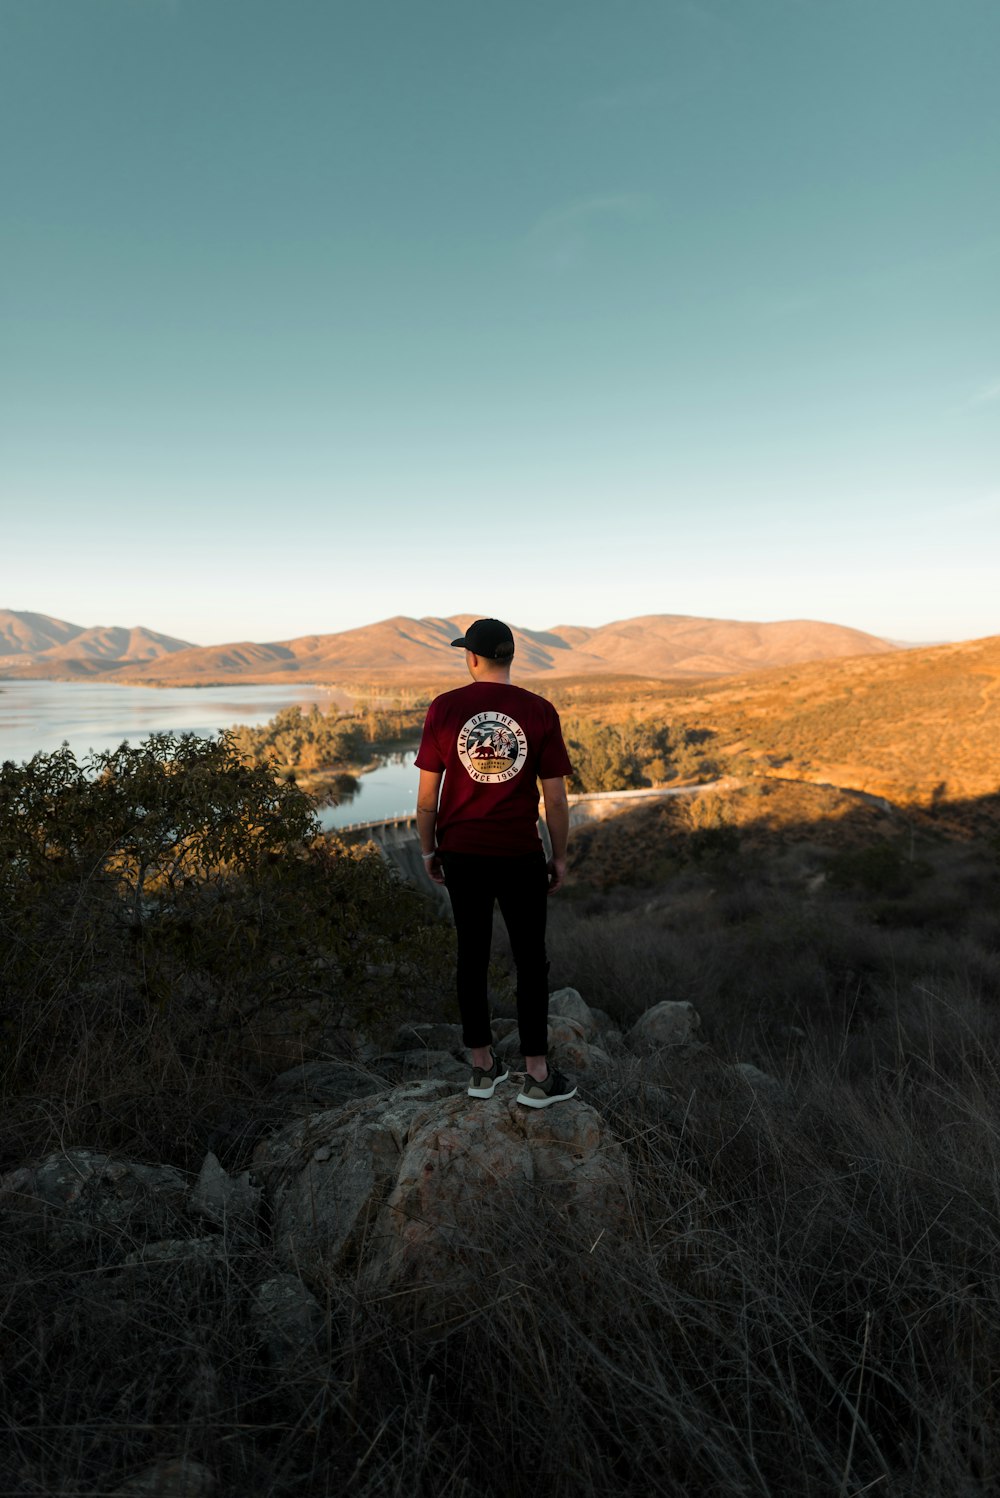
(916, 726)
(803, 1303)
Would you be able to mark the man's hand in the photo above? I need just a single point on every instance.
(434, 869)
(557, 873)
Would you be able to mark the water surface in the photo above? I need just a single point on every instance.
(38, 716)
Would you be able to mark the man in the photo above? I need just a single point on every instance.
(492, 742)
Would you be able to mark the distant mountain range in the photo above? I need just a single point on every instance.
(662, 646)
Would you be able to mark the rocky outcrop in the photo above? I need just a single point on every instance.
(405, 1192)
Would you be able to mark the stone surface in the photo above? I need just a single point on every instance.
(230, 1202)
(406, 1186)
(79, 1192)
(325, 1176)
(674, 1022)
(567, 1003)
(288, 1317)
(180, 1478)
(561, 1032)
(400, 1066)
(325, 1084)
(429, 1037)
(468, 1171)
(760, 1081)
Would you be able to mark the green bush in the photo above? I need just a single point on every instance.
(169, 915)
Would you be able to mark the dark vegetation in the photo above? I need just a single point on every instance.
(804, 1302)
(172, 926)
(326, 751)
(629, 753)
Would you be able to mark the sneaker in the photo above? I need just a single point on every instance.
(484, 1083)
(555, 1089)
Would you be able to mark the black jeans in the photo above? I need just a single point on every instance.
(520, 885)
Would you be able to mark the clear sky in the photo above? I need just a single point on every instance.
(315, 312)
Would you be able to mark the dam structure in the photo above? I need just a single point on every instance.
(398, 841)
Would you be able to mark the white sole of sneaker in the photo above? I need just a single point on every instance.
(545, 1102)
(488, 1091)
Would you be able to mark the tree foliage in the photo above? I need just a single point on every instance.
(172, 885)
(624, 755)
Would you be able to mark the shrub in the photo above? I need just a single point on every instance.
(170, 918)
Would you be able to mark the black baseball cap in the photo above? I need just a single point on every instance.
(490, 638)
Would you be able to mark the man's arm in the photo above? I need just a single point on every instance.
(427, 807)
(557, 821)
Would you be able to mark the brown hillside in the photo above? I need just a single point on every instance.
(662, 646)
(36, 645)
(26, 634)
(915, 726)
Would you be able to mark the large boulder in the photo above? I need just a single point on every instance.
(411, 1193)
(326, 1176)
(674, 1022)
(81, 1193)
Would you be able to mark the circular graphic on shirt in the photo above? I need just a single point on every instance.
(492, 746)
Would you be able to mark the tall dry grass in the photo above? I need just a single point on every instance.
(803, 1301)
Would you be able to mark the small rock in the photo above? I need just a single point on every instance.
(228, 1201)
(560, 1031)
(325, 1084)
(181, 1478)
(760, 1081)
(288, 1317)
(579, 1057)
(399, 1066)
(673, 1022)
(567, 1003)
(429, 1037)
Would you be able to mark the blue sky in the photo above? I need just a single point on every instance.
(315, 312)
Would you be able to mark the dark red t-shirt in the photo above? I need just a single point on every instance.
(494, 742)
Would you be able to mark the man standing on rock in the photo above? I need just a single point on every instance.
(492, 742)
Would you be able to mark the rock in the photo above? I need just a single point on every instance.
(181, 1478)
(228, 1201)
(561, 1032)
(468, 1172)
(288, 1317)
(179, 1250)
(400, 1066)
(79, 1193)
(325, 1084)
(578, 1058)
(417, 1181)
(568, 1004)
(429, 1037)
(325, 1176)
(760, 1081)
(674, 1022)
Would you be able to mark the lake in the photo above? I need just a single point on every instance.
(38, 716)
